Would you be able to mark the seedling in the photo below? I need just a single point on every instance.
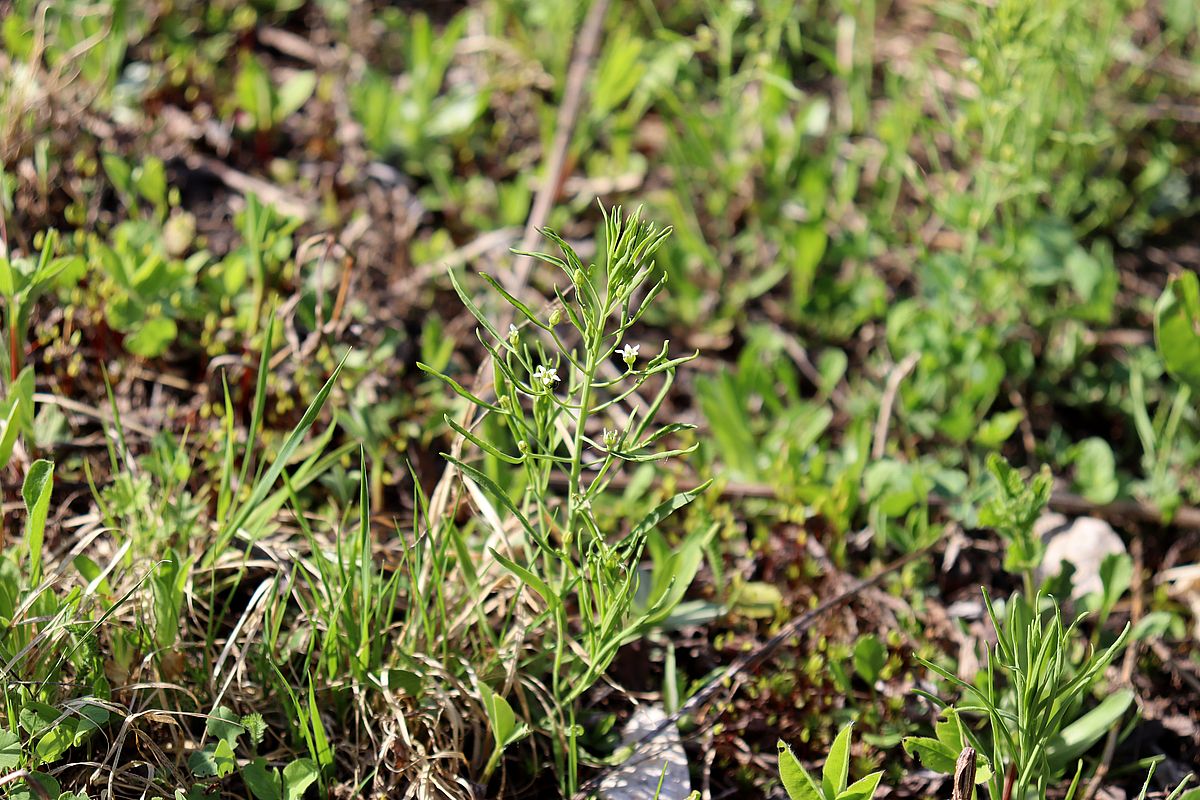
(264, 105)
(1032, 697)
(835, 776)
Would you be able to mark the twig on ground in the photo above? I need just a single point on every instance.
(1169, 661)
(248, 184)
(564, 128)
(899, 372)
(75, 407)
(514, 282)
(732, 675)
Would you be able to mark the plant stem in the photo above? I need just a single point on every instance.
(585, 402)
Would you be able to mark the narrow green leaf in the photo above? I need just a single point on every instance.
(8, 437)
(863, 788)
(264, 484)
(836, 773)
(459, 389)
(666, 509)
(528, 577)
(474, 309)
(36, 493)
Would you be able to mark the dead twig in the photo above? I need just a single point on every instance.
(514, 282)
(890, 391)
(245, 184)
(964, 775)
(564, 129)
(733, 674)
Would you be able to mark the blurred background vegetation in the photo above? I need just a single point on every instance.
(906, 235)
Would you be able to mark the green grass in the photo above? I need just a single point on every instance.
(290, 510)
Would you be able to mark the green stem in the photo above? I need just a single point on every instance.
(585, 402)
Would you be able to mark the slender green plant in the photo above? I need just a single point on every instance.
(1032, 697)
(561, 398)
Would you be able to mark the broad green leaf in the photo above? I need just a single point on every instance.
(119, 173)
(51, 746)
(1116, 576)
(870, 656)
(152, 337)
(47, 783)
(91, 717)
(1177, 328)
(8, 284)
(756, 599)
(225, 725)
(294, 93)
(1156, 623)
(10, 750)
(214, 761)
(1076, 738)
(252, 88)
(297, 777)
(932, 754)
(151, 181)
(455, 112)
(863, 788)
(1095, 470)
(995, 430)
(796, 780)
(949, 730)
(264, 784)
(505, 727)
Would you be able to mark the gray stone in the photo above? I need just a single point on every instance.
(1083, 543)
(638, 777)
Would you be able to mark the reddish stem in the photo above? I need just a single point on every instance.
(1010, 778)
(14, 349)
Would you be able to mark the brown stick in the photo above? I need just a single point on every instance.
(731, 675)
(514, 282)
(564, 129)
(1010, 778)
(899, 372)
(1186, 517)
(964, 775)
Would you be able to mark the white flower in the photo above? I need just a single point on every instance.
(610, 438)
(512, 330)
(630, 352)
(546, 377)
